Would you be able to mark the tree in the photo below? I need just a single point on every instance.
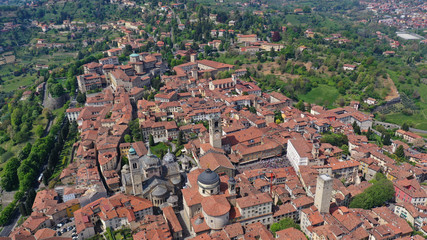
(376, 195)
(128, 138)
(57, 90)
(400, 153)
(81, 98)
(278, 118)
(345, 149)
(134, 130)
(338, 140)
(386, 139)
(39, 130)
(25, 152)
(283, 224)
(180, 138)
(405, 127)
(300, 105)
(276, 36)
(22, 209)
(369, 133)
(9, 180)
(16, 117)
(356, 128)
(306, 9)
(151, 140)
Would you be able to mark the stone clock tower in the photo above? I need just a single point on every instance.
(215, 132)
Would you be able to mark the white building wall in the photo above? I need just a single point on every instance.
(294, 157)
(216, 222)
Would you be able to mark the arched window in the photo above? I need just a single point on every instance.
(135, 166)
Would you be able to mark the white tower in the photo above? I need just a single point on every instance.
(322, 200)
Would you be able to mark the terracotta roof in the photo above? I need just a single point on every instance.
(44, 233)
(214, 64)
(284, 209)
(313, 216)
(303, 201)
(216, 205)
(253, 200)
(290, 234)
(173, 221)
(215, 160)
(233, 230)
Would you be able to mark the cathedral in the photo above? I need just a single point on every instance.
(152, 178)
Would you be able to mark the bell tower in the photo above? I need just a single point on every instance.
(215, 132)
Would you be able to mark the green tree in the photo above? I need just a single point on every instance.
(134, 130)
(376, 195)
(300, 105)
(16, 117)
(128, 138)
(57, 90)
(283, 224)
(306, 9)
(386, 139)
(22, 209)
(400, 153)
(405, 127)
(369, 133)
(39, 130)
(9, 180)
(180, 138)
(25, 152)
(81, 98)
(356, 128)
(151, 140)
(338, 140)
(278, 118)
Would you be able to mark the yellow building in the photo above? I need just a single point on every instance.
(72, 206)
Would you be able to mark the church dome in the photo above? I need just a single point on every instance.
(132, 151)
(169, 157)
(134, 55)
(159, 191)
(150, 160)
(208, 177)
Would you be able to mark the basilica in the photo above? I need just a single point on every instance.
(150, 177)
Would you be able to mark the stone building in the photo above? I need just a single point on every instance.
(151, 178)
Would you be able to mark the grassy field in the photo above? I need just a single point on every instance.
(231, 60)
(12, 83)
(159, 148)
(322, 95)
(15, 83)
(293, 19)
(419, 118)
